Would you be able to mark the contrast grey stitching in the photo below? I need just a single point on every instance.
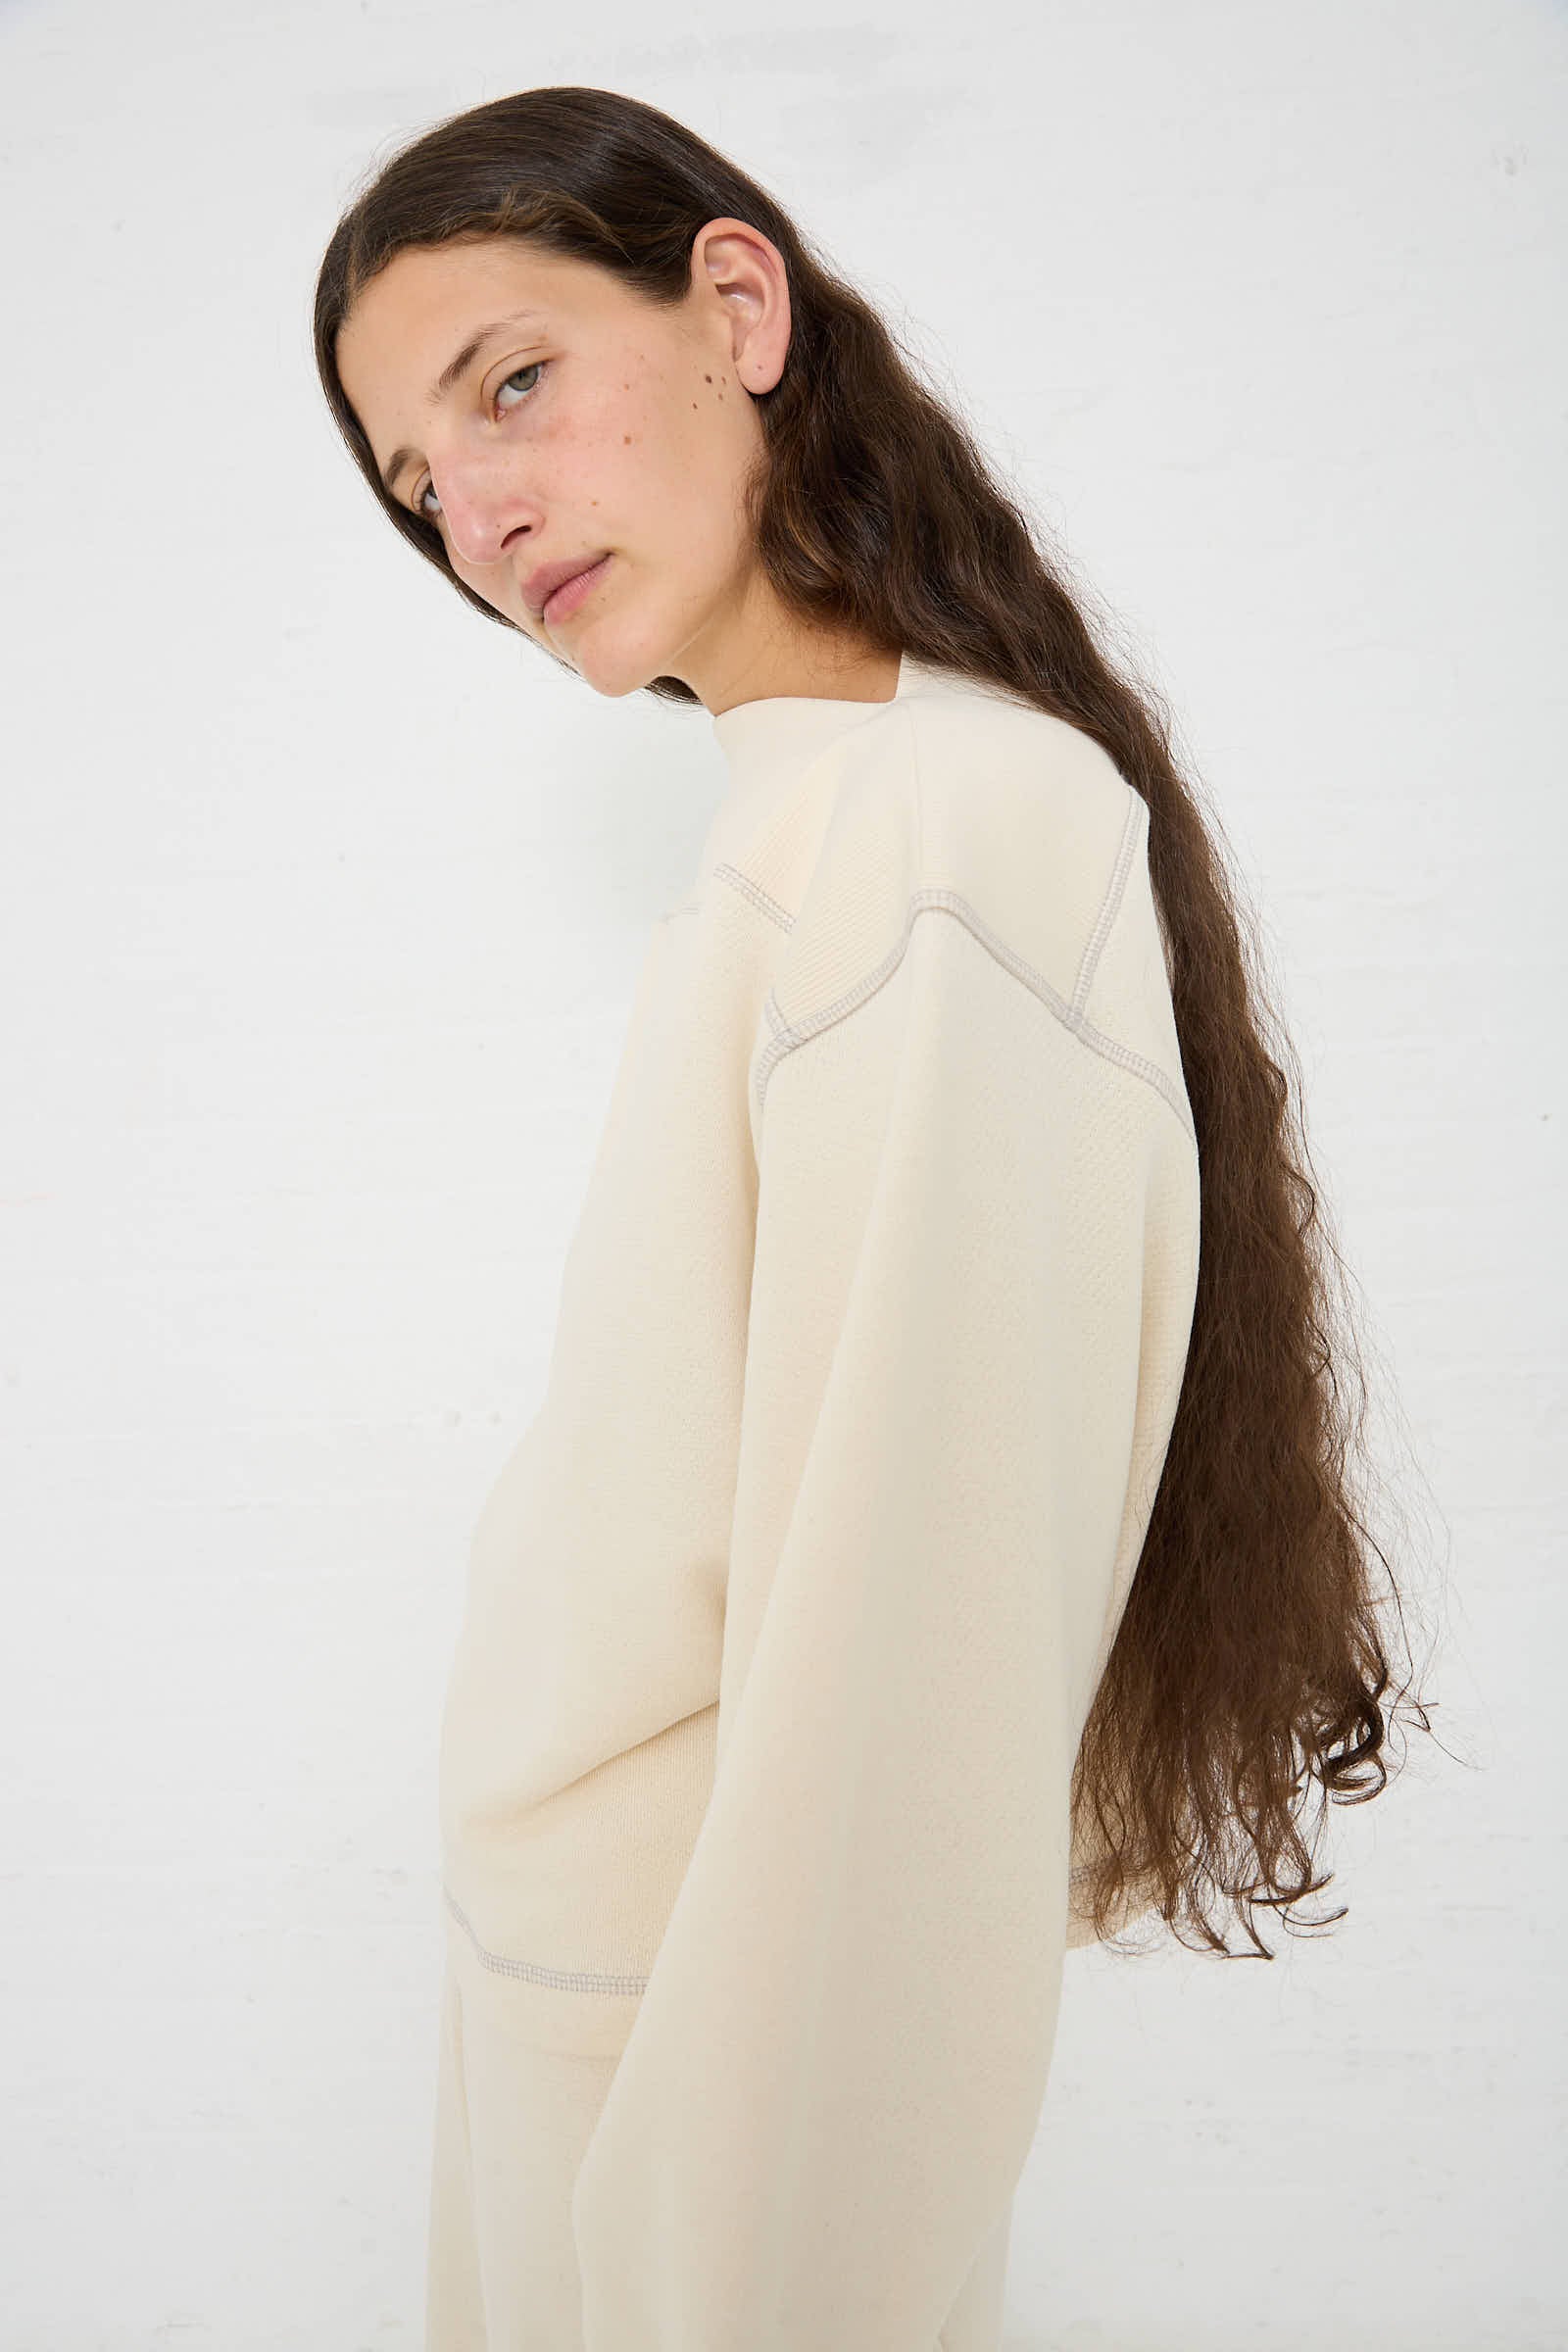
(563, 1979)
(788, 1035)
(1136, 813)
(758, 896)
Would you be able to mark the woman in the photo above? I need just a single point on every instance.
(807, 1707)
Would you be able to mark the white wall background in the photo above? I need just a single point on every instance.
(322, 906)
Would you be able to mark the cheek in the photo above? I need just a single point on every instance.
(652, 463)
(674, 427)
(595, 463)
(686, 461)
(494, 583)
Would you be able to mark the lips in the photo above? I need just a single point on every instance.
(571, 594)
(542, 585)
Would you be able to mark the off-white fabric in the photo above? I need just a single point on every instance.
(785, 1612)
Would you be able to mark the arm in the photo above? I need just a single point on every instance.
(836, 2072)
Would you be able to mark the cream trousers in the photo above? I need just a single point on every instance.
(512, 2124)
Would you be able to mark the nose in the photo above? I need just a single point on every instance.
(480, 506)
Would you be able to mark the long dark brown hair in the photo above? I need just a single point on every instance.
(1248, 1682)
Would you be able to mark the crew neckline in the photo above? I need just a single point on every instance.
(912, 673)
(788, 724)
(768, 745)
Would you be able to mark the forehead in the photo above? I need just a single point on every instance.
(430, 295)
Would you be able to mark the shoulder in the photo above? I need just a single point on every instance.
(965, 804)
(1024, 820)
(970, 787)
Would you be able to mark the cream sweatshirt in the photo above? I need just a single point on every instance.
(785, 1613)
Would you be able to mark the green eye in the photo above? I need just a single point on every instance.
(417, 502)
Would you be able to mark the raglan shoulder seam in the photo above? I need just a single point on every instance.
(789, 1036)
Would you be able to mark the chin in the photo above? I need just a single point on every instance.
(604, 672)
(606, 662)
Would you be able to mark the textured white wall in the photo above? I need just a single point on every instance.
(322, 906)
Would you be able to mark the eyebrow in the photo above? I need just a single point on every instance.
(449, 376)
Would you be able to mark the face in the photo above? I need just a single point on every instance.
(600, 424)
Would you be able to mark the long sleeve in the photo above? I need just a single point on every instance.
(970, 1297)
